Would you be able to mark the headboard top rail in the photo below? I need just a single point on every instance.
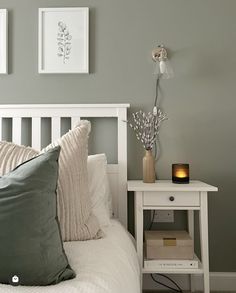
(62, 110)
(47, 106)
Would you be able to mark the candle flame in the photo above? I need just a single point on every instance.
(181, 174)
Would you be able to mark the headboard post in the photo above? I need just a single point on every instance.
(122, 163)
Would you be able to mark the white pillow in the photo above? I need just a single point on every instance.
(99, 188)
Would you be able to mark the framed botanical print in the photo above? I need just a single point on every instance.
(3, 41)
(63, 40)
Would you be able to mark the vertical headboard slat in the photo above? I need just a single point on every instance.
(16, 129)
(55, 128)
(36, 128)
(74, 121)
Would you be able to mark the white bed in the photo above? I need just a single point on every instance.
(106, 265)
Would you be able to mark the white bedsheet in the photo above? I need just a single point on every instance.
(107, 265)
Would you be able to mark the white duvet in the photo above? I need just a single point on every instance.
(107, 265)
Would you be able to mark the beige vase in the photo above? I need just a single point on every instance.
(149, 175)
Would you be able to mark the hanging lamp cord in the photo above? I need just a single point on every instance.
(157, 86)
(155, 106)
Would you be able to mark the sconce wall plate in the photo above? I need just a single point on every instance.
(159, 53)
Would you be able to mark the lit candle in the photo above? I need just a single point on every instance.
(180, 173)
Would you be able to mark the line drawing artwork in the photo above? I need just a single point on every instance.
(64, 42)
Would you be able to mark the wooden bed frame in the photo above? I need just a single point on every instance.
(117, 172)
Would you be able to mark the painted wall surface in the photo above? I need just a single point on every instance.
(200, 101)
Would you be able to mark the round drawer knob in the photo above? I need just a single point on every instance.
(171, 198)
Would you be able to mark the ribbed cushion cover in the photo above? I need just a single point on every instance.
(75, 215)
(30, 241)
(74, 204)
(12, 155)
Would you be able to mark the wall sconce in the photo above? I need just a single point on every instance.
(163, 68)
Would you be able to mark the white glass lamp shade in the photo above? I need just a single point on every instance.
(164, 69)
(157, 68)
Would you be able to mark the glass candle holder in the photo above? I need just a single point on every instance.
(180, 173)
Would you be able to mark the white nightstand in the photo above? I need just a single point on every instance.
(164, 195)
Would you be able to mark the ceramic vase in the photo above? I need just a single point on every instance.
(149, 175)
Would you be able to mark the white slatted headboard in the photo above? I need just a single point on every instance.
(117, 172)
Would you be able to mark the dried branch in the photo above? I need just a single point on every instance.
(147, 126)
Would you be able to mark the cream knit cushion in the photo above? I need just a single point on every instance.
(74, 205)
(12, 155)
(75, 215)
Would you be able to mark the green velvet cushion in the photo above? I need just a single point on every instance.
(30, 242)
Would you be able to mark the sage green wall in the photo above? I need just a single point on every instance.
(200, 101)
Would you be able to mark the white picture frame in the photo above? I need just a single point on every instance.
(3, 41)
(63, 40)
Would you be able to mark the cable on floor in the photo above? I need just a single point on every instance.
(177, 289)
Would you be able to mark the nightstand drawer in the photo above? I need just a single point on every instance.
(167, 198)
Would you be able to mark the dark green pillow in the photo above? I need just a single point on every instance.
(31, 248)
